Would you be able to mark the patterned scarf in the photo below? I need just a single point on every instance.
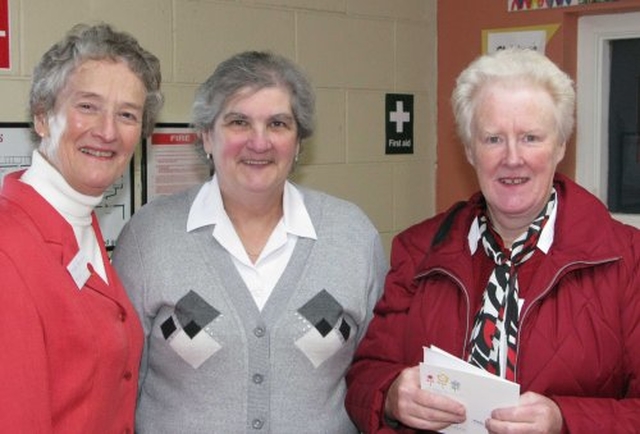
(501, 307)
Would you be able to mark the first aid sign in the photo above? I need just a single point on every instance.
(5, 59)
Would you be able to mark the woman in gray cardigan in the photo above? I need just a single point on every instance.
(253, 292)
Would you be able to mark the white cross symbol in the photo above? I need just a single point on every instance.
(399, 117)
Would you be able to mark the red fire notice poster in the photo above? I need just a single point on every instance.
(172, 161)
(5, 60)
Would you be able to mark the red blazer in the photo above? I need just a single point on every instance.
(579, 333)
(69, 356)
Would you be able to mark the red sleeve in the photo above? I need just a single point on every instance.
(24, 392)
(620, 415)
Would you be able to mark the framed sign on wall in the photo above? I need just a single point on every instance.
(16, 147)
(5, 36)
(172, 161)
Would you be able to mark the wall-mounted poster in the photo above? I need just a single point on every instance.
(5, 36)
(15, 147)
(171, 161)
(116, 207)
(528, 5)
(532, 37)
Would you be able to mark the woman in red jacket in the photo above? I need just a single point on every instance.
(530, 279)
(70, 339)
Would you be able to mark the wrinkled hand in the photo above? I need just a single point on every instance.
(534, 414)
(420, 409)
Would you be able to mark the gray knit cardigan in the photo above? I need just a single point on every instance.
(213, 362)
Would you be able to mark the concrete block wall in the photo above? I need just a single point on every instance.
(355, 52)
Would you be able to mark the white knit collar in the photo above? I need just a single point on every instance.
(74, 206)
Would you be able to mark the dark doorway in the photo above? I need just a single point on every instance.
(624, 127)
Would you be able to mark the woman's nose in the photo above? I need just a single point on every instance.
(259, 139)
(513, 153)
(106, 127)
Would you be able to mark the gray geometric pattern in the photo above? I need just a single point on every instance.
(330, 329)
(193, 313)
(323, 311)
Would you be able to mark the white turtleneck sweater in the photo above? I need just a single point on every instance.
(74, 207)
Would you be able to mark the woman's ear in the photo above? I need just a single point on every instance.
(207, 142)
(468, 152)
(41, 125)
(560, 152)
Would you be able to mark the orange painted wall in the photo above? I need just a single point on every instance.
(460, 26)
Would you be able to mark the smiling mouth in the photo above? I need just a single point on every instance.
(97, 153)
(257, 162)
(513, 181)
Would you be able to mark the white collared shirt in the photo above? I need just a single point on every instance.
(261, 277)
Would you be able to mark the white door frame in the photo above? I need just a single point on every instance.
(594, 59)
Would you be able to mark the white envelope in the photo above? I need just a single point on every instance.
(479, 391)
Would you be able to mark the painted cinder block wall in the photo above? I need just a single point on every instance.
(355, 52)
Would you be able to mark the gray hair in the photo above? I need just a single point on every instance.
(513, 64)
(84, 42)
(255, 70)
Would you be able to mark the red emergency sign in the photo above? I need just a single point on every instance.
(173, 138)
(5, 60)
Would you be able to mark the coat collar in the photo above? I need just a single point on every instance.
(43, 221)
(582, 233)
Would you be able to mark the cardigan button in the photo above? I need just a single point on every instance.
(127, 375)
(257, 378)
(259, 331)
(257, 424)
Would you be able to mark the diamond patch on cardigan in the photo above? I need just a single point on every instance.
(184, 330)
(323, 311)
(194, 313)
(329, 330)
(195, 351)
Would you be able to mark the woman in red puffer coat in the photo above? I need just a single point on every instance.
(562, 319)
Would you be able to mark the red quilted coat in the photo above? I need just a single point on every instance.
(579, 333)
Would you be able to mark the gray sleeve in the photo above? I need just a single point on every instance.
(128, 262)
(378, 267)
